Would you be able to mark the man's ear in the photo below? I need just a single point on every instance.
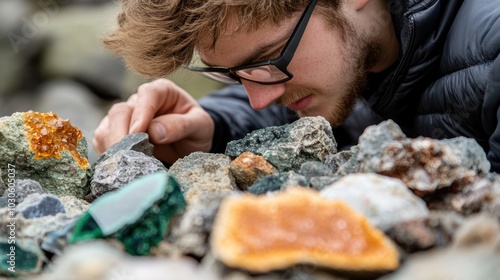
(358, 4)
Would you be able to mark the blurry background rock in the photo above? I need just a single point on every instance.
(52, 59)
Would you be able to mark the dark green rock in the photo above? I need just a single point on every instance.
(137, 215)
(23, 257)
(277, 181)
(287, 147)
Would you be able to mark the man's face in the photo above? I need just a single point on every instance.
(329, 71)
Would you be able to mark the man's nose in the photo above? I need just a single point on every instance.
(262, 96)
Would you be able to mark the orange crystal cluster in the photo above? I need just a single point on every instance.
(49, 135)
(264, 233)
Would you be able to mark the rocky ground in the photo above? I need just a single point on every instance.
(281, 203)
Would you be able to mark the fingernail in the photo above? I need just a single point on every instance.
(161, 133)
(135, 126)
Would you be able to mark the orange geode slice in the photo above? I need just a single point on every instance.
(49, 135)
(264, 233)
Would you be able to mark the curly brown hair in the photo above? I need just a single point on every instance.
(155, 37)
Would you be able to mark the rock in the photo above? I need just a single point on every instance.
(3, 202)
(55, 242)
(199, 173)
(74, 206)
(191, 233)
(265, 233)
(138, 142)
(37, 229)
(378, 198)
(470, 154)
(122, 168)
(61, 167)
(22, 259)
(277, 182)
(26, 187)
(249, 167)
(159, 269)
(446, 224)
(321, 182)
(288, 146)
(40, 205)
(335, 161)
(311, 169)
(475, 254)
(137, 215)
(92, 260)
(413, 235)
(3, 187)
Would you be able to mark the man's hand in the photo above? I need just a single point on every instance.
(176, 124)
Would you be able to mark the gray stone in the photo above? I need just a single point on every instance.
(288, 146)
(351, 164)
(138, 142)
(3, 187)
(478, 230)
(190, 235)
(38, 229)
(74, 206)
(40, 205)
(314, 169)
(122, 168)
(59, 176)
(373, 142)
(471, 155)
(321, 182)
(3, 202)
(199, 173)
(56, 241)
(335, 161)
(26, 187)
(378, 198)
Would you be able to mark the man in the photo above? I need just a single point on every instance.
(432, 66)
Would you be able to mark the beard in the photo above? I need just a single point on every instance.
(361, 54)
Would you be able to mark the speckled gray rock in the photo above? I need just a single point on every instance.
(26, 187)
(344, 162)
(378, 198)
(56, 241)
(314, 169)
(278, 181)
(190, 235)
(61, 176)
(288, 146)
(74, 206)
(138, 142)
(40, 205)
(38, 229)
(471, 155)
(200, 172)
(122, 168)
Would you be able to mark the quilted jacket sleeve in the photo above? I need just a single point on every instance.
(491, 115)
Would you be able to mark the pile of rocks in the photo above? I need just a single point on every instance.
(281, 203)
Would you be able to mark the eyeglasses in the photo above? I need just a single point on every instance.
(267, 72)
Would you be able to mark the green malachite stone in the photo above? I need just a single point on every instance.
(26, 258)
(137, 215)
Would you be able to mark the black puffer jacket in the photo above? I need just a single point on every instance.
(446, 82)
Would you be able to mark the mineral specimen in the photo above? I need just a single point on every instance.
(46, 149)
(138, 214)
(264, 233)
(249, 167)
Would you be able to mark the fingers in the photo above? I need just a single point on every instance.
(113, 127)
(157, 98)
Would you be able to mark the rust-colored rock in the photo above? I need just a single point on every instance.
(49, 135)
(249, 167)
(265, 233)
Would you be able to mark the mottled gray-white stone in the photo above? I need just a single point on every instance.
(59, 176)
(40, 205)
(321, 182)
(138, 142)
(86, 261)
(311, 169)
(470, 154)
(56, 241)
(38, 229)
(373, 142)
(26, 187)
(190, 235)
(379, 198)
(288, 146)
(74, 206)
(479, 229)
(200, 172)
(278, 181)
(122, 168)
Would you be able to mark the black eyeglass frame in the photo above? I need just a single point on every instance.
(281, 62)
